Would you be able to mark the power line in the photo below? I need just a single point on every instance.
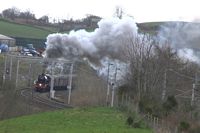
(182, 75)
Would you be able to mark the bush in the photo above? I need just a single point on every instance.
(150, 105)
(170, 104)
(129, 121)
(132, 122)
(195, 130)
(183, 126)
(140, 124)
(137, 124)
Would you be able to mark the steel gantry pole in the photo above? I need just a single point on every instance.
(52, 81)
(108, 84)
(17, 72)
(194, 85)
(114, 85)
(164, 85)
(4, 73)
(70, 83)
(10, 67)
(29, 75)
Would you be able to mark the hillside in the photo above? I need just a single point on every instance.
(40, 32)
(150, 27)
(85, 120)
(35, 31)
(21, 30)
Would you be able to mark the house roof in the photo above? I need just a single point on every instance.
(3, 37)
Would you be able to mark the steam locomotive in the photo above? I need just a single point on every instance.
(43, 83)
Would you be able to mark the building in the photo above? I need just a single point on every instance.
(7, 40)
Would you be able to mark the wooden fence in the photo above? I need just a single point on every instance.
(158, 125)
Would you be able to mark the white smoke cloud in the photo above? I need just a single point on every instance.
(105, 41)
(188, 54)
(105, 44)
(184, 37)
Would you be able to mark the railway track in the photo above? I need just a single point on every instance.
(36, 97)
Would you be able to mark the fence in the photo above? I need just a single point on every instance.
(159, 125)
(19, 72)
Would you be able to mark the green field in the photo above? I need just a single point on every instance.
(32, 31)
(85, 120)
(26, 31)
(150, 27)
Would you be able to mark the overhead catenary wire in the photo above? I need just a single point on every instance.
(182, 75)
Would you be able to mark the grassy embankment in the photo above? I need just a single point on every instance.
(84, 120)
(26, 31)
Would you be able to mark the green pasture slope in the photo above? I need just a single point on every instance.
(84, 120)
(20, 30)
(151, 28)
(40, 32)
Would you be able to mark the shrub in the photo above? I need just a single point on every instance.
(129, 121)
(170, 104)
(183, 126)
(195, 130)
(150, 105)
(140, 124)
(136, 122)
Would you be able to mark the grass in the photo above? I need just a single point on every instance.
(84, 120)
(150, 27)
(20, 30)
(48, 28)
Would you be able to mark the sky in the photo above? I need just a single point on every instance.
(141, 10)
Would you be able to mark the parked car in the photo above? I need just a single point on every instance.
(29, 50)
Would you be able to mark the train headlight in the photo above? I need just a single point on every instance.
(40, 85)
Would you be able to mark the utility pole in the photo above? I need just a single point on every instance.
(114, 87)
(29, 75)
(10, 68)
(193, 90)
(108, 84)
(52, 82)
(192, 99)
(4, 73)
(70, 83)
(16, 83)
(164, 85)
(51, 88)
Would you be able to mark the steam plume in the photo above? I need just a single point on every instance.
(105, 41)
(185, 37)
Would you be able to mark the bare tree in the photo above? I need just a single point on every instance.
(11, 13)
(138, 52)
(119, 12)
(44, 19)
(149, 63)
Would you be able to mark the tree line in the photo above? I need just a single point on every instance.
(159, 81)
(15, 13)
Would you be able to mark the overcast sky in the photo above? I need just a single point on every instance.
(141, 10)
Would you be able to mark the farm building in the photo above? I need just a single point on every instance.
(7, 40)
